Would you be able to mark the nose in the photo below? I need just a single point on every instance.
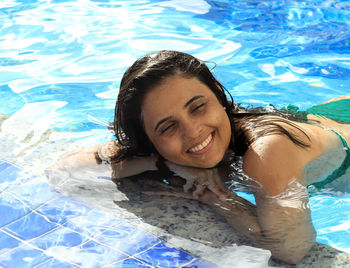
(191, 129)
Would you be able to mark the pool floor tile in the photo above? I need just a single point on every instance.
(128, 239)
(22, 257)
(54, 263)
(61, 209)
(128, 263)
(4, 165)
(11, 209)
(163, 255)
(12, 177)
(35, 192)
(31, 226)
(66, 233)
(61, 237)
(7, 242)
(92, 223)
(90, 254)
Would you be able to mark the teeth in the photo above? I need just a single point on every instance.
(202, 145)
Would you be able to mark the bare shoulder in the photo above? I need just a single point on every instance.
(274, 160)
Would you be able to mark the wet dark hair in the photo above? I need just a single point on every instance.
(150, 70)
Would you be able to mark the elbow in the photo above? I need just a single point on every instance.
(292, 257)
(295, 253)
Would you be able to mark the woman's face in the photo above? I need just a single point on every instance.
(186, 123)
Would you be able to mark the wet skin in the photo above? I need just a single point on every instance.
(186, 123)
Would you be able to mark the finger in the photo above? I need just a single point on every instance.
(188, 185)
(217, 187)
(200, 188)
(222, 194)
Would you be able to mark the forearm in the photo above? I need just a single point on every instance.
(240, 214)
(133, 166)
(98, 158)
(80, 158)
(288, 240)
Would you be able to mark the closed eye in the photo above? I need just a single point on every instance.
(198, 108)
(167, 128)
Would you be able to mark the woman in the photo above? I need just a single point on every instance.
(172, 113)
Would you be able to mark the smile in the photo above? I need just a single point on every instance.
(201, 146)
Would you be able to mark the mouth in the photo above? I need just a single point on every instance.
(203, 146)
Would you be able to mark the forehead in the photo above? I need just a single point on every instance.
(169, 97)
(174, 90)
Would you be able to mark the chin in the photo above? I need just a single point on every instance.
(210, 164)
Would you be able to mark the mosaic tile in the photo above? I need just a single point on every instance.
(90, 254)
(54, 263)
(22, 257)
(163, 255)
(197, 263)
(128, 263)
(11, 209)
(7, 242)
(35, 193)
(61, 209)
(61, 237)
(66, 247)
(92, 223)
(12, 176)
(128, 239)
(30, 226)
(4, 165)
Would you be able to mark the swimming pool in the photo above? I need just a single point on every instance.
(61, 64)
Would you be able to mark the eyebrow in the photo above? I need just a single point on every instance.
(185, 106)
(192, 100)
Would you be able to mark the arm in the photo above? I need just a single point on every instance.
(285, 230)
(96, 158)
(282, 201)
(280, 221)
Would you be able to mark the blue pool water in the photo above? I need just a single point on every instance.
(60, 67)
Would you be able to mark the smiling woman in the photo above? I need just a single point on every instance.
(172, 113)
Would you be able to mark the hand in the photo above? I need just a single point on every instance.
(201, 179)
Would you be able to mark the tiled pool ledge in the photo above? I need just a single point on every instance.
(41, 228)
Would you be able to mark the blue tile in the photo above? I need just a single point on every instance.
(54, 263)
(23, 257)
(163, 255)
(12, 177)
(61, 209)
(61, 237)
(128, 239)
(197, 263)
(35, 193)
(92, 223)
(30, 226)
(92, 254)
(11, 209)
(128, 263)
(4, 165)
(7, 242)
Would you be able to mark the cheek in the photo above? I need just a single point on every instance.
(221, 119)
(225, 126)
(168, 148)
